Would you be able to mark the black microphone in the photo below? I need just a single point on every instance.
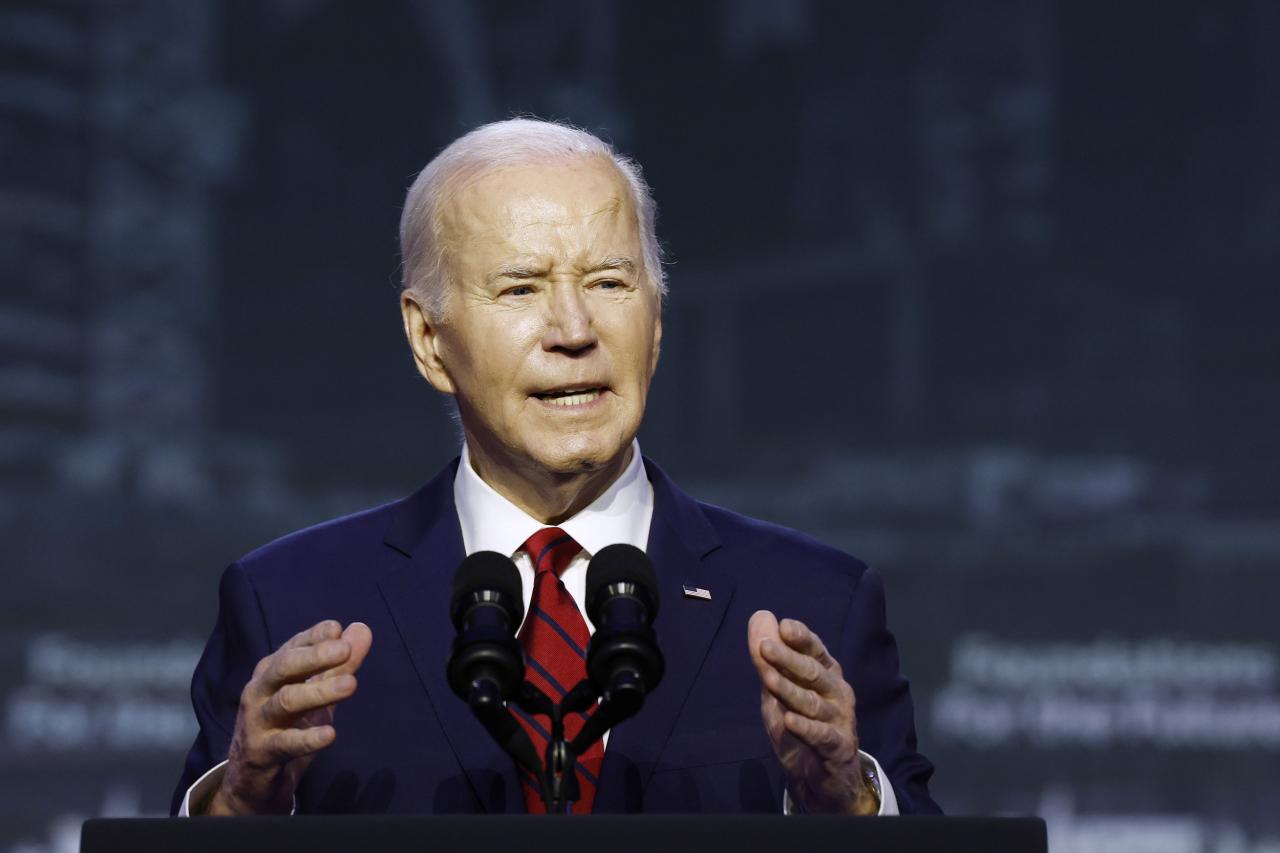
(486, 609)
(623, 660)
(486, 668)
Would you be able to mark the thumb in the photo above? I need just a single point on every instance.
(360, 638)
(762, 625)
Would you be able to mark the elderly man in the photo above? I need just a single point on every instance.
(532, 297)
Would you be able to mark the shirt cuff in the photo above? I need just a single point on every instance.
(204, 787)
(888, 802)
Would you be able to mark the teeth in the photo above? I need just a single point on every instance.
(576, 398)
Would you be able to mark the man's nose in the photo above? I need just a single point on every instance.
(569, 325)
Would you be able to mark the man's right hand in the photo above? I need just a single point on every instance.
(286, 716)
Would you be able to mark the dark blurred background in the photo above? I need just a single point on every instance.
(984, 293)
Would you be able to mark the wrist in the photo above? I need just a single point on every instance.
(217, 805)
(225, 803)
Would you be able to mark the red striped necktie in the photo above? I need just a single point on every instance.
(554, 637)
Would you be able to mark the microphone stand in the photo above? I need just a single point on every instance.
(558, 780)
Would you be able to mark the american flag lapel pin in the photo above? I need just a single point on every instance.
(697, 592)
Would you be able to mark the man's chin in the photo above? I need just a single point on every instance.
(583, 458)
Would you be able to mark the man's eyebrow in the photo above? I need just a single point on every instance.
(615, 263)
(522, 272)
(517, 271)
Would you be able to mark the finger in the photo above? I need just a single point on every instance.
(800, 668)
(328, 629)
(800, 700)
(294, 700)
(798, 636)
(298, 664)
(772, 713)
(287, 744)
(829, 741)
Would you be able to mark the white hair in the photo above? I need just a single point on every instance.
(517, 141)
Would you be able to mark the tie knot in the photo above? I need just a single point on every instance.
(552, 550)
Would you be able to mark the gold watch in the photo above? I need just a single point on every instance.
(871, 781)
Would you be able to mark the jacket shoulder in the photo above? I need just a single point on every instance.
(321, 543)
(764, 541)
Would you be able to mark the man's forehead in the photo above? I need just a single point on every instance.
(531, 209)
(536, 192)
(566, 211)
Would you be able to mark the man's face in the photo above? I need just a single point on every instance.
(551, 331)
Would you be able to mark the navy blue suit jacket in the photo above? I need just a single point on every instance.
(406, 744)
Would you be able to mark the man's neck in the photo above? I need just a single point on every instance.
(549, 496)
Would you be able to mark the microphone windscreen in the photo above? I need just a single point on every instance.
(491, 571)
(618, 564)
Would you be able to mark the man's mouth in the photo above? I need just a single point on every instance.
(570, 396)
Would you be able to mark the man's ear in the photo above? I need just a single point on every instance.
(424, 340)
(657, 342)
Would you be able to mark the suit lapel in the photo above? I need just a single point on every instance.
(417, 593)
(680, 537)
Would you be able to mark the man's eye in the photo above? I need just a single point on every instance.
(609, 284)
(519, 290)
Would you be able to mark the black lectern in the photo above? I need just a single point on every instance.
(543, 834)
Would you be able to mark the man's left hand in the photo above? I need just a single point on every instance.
(808, 711)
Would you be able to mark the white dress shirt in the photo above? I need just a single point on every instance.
(490, 522)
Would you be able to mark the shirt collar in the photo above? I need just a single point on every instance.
(490, 522)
